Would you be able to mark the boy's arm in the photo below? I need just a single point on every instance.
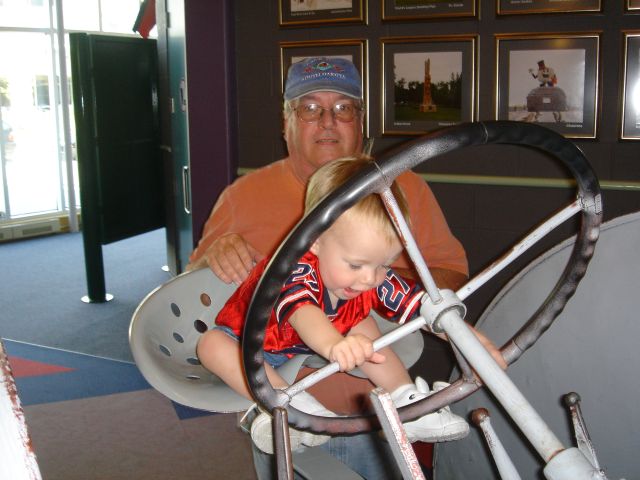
(317, 332)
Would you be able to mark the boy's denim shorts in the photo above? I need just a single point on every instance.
(273, 359)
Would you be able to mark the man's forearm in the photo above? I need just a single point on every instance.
(443, 277)
(446, 278)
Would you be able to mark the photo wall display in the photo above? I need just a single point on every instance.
(630, 124)
(351, 49)
(428, 83)
(507, 7)
(305, 12)
(550, 79)
(427, 9)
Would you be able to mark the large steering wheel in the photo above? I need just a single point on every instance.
(377, 178)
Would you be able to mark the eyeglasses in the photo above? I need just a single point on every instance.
(312, 112)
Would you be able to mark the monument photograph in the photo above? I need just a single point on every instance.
(428, 83)
(425, 80)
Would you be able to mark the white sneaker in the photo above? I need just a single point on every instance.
(440, 426)
(262, 429)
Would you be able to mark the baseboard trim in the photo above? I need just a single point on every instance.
(34, 227)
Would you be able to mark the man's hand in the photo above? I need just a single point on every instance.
(486, 342)
(230, 257)
(491, 348)
(352, 351)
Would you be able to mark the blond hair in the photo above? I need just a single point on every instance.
(371, 208)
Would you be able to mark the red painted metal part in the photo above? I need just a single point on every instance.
(17, 458)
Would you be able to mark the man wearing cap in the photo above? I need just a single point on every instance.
(323, 115)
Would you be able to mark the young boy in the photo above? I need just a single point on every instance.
(324, 308)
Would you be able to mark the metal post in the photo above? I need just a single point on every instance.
(410, 245)
(562, 463)
(585, 445)
(396, 436)
(505, 466)
(284, 460)
(534, 428)
(66, 120)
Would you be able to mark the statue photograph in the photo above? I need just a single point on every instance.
(550, 92)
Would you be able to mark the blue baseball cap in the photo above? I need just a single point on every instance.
(322, 74)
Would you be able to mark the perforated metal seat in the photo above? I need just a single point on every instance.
(163, 335)
(165, 329)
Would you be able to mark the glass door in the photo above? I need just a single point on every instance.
(34, 176)
(31, 154)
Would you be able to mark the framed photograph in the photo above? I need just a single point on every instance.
(632, 5)
(425, 9)
(351, 49)
(631, 88)
(551, 80)
(428, 83)
(304, 12)
(507, 7)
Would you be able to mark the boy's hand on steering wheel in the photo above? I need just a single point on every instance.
(352, 351)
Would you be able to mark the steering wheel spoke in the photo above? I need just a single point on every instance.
(520, 248)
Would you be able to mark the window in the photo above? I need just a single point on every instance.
(41, 92)
(34, 172)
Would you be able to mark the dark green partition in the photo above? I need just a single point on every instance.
(115, 99)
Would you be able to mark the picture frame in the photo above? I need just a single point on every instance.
(352, 49)
(510, 7)
(427, 9)
(428, 83)
(549, 79)
(319, 12)
(630, 118)
(631, 5)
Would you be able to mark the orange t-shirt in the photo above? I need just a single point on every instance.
(264, 205)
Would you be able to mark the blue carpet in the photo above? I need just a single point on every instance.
(46, 375)
(79, 375)
(45, 280)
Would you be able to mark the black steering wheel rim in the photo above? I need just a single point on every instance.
(373, 180)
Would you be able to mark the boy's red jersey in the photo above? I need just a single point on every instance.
(396, 299)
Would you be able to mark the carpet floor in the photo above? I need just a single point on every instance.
(44, 281)
(89, 412)
(97, 418)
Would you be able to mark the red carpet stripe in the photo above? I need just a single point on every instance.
(22, 367)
